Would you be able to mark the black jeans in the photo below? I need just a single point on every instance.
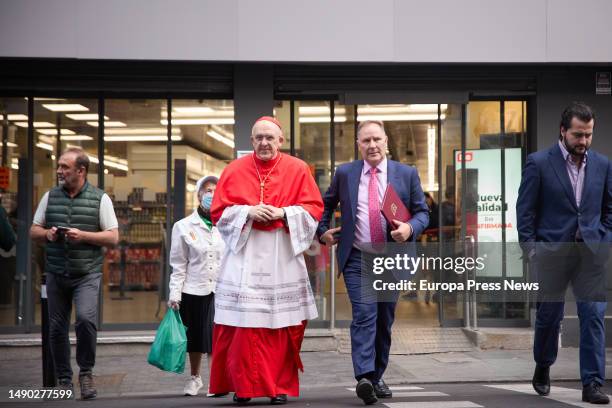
(61, 292)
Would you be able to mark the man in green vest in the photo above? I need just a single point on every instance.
(74, 220)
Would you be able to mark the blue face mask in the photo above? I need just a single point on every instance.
(206, 201)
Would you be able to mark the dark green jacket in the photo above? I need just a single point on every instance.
(82, 212)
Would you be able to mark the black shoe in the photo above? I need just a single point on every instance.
(280, 399)
(88, 388)
(592, 393)
(365, 391)
(381, 390)
(541, 380)
(65, 384)
(239, 400)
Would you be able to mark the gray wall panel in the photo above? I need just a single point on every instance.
(161, 29)
(470, 31)
(579, 31)
(317, 30)
(35, 28)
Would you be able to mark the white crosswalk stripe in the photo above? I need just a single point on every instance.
(398, 388)
(433, 404)
(414, 394)
(405, 388)
(568, 396)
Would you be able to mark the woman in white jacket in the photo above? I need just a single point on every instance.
(195, 256)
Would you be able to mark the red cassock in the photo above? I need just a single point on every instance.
(253, 361)
(256, 362)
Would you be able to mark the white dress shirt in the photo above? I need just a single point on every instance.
(195, 257)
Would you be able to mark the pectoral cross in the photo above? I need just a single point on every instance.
(262, 183)
(261, 189)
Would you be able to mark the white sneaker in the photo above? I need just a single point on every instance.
(193, 385)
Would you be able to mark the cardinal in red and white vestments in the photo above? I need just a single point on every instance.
(266, 207)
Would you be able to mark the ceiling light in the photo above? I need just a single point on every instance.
(65, 107)
(221, 138)
(320, 110)
(189, 113)
(108, 123)
(200, 121)
(400, 118)
(198, 110)
(14, 116)
(8, 144)
(44, 146)
(141, 138)
(76, 137)
(47, 139)
(321, 119)
(119, 166)
(36, 124)
(84, 116)
(223, 132)
(108, 157)
(46, 99)
(401, 109)
(141, 131)
(54, 132)
(109, 163)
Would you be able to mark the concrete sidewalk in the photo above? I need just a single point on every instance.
(130, 375)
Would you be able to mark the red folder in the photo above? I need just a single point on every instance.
(393, 208)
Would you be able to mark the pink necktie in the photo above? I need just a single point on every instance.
(376, 230)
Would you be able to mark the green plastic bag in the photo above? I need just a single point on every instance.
(170, 345)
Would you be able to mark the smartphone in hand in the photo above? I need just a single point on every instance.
(61, 231)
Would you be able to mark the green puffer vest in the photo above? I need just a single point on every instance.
(82, 212)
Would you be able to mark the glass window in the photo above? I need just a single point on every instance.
(204, 138)
(449, 212)
(312, 127)
(344, 138)
(13, 146)
(312, 144)
(282, 112)
(490, 214)
(135, 140)
(515, 116)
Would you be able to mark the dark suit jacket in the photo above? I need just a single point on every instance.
(344, 188)
(546, 207)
